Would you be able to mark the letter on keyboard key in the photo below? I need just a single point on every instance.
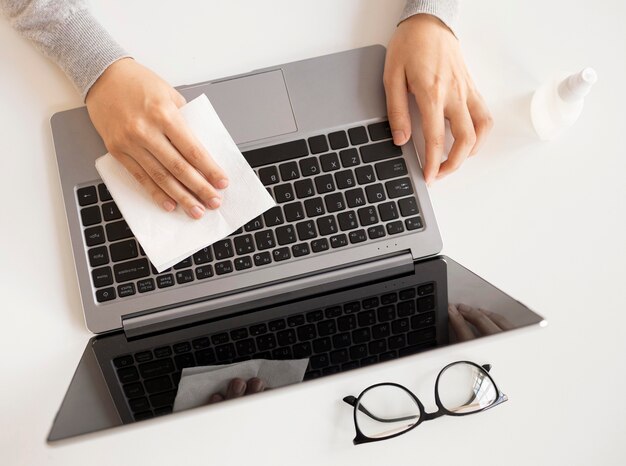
(131, 270)
(399, 188)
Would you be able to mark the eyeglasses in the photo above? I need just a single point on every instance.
(386, 410)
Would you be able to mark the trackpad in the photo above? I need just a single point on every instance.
(253, 107)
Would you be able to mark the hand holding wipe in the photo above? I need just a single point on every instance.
(169, 237)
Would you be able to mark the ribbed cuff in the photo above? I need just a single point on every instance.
(445, 10)
(84, 49)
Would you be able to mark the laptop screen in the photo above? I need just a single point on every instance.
(120, 381)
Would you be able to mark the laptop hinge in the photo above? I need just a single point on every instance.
(267, 295)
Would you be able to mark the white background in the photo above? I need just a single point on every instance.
(543, 221)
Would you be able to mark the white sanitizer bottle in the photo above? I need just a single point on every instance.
(556, 105)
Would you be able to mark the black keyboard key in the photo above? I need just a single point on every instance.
(302, 350)
(289, 171)
(413, 223)
(87, 196)
(327, 327)
(223, 249)
(133, 390)
(379, 151)
(299, 250)
(281, 254)
(294, 211)
(286, 235)
(104, 193)
(201, 343)
(105, 294)
(408, 206)
(318, 144)
(277, 153)
(388, 211)
(331, 312)
(314, 207)
(184, 276)
(156, 368)
(98, 256)
(406, 308)
(309, 166)
(182, 347)
(203, 256)
(348, 220)
(381, 330)
(243, 263)
(334, 202)
(295, 321)
(185, 263)
(306, 230)
(163, 399)
(158, 384)
(277, 325)
(357, 135)
(400, 326)
(205, 271)
(283, 193)
(339, 356)
(327, 225)
(269, 175)
(367, 216)
(349, 157)
(379, 131)
(220, 338)
(102, 277)
(351, 308)
(262, 258)
(258, 329)
(358, 351)
(427, 303)
(224, 267)
(338, 140)
(163, 352)
(390, 169)
(304, 188)
(128, 374)
(139, 404)
(254, 224)
(366, 318)
(422, 320)
(338, 241)
(245, 347)
(314, 316)
(90, 215)
(264, 240)
(365, 175)
(110, 211)
(287, 337)
(244, 244)
(319, 245)
(375, 193)
(345, 179)
(184, 360)
(239, 334)
(377, 347)
(307, 332)
(143, 286)
(399, 188)
(94, 236)
(225, 352)
(346, 323)
(125, 290)
(131, 270)
(118, 230)
(266, 342)
(357, 236)
(342, 340)
(124, 250)
(322, 345)
(395, 228)
(330, 162)
(423, 290)
(386, 313)
(376, 232)
(417, 337)
(324, 184)
(165, 281)
(123, 361)
(370, 303)
(282, 353)
(355, 197)
(273, 217)
(408, 293)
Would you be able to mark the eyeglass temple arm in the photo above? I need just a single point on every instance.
(352, 401)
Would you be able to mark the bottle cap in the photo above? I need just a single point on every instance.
(578, 85)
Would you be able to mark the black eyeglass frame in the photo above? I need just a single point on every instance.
(423, 415)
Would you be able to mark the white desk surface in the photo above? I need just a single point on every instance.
(543, 221)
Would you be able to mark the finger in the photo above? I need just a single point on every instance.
(236, 388)
(433, 126)
(483, 324)
(178, 98)
(178, 132)
(172, 187)
(482, 120)
(498, 319)
(462, 130)
(215, 398)
(462, 331)
(182, 170)
(397, 106)
(254, 385)
(158, 195)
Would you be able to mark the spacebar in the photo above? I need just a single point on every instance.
(277, 153)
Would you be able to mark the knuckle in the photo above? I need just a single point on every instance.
(159, 176)
(435, 140)
(195, 155)
(178, 168)
(205, 192)
(140, 176)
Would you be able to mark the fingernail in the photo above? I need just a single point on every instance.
(222, 184)
(197, 211)
(239, 387)
(215, 202)
(169, 205)
(398, 137)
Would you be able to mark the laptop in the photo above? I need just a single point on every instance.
(343, 271)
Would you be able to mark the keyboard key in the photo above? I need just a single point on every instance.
(377, 347)
(324, 184)
(87, 196)
(390, 169)
(110, 211)
(299, 250)
(104, 193)
(245, 347)
(333, 311)
(306, 230)
(375, 193)
(426, 289)
(131, 270)
(376, 232)
(281, 254)
(184, 276)
(204, 255)
(302, 350)
(277, 325)
(348, 220)
(286, 235)
(225, 352)
(294, 211)
(322, 345)
(123, 250)
(367, 216)
(243, 263)
(355, 197)
(346, 323)
(258, 329)
(370, 303)
(264, 239)
(309, 166)
(244, 244)
(283, 193)
(205, 271)
(395, 228)
(94, 236)
(345, 179)
(143, 286)
(127, 289)
(304, 188)
(339, 356)
(128, 374)
(327, 327)
(277, 153)
(90, 215)
(98, 256)
(421, 336)
(102, 277)
(239, 334)
(254, 224)
(389, 298)
(338, 241)
(133, 390)
(408, 206)
(220, 338)
(408, 293)
(123, 361)
(266, 342)
(139, 404)
(379, 151)
(422, 320)
(399, 188)
(105, 294)
(349, 157)
(413, 223)
(357, 135)
(365, 175)
(118, 230)
(165, 281)
(357, 236)
(366, 318)
(319, 245)
(427, 303)
(162, 352)
(314, 207)
(314, 316)
(318, 144)
(282, 353)
(307, 332)
(262, 258)
(338, 140)
(334, 202)
(156, 368)
(224, 267)
(289, 171)
(185, 263)
(400, 326)
(379, 131)
(327, 225)
(163, 399)
(329, 162)
(269, 175)
(158, 384)
(388, 211)
(342, 340)
(223, 249)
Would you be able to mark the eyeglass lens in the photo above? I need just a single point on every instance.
(465, 388)
(386, 410)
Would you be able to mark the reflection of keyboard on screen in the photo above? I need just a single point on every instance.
(333, 191)
(337, 338)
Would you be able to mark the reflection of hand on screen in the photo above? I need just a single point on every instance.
(468, 322)
(239, 387)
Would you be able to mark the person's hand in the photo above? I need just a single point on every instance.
(136, 114)
(483, 321)
(239, 387)
(424, 58)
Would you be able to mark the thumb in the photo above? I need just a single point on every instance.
(398, 108)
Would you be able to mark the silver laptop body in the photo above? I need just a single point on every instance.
(296, 109)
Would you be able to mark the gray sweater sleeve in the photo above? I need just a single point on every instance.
(445, 10)
(65, 31)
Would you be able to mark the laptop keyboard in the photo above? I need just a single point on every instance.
(338, 338)
(333, 191)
